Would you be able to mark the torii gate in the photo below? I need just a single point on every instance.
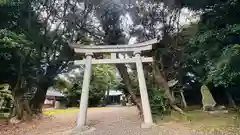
(136, 49)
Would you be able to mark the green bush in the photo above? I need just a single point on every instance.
(6, 98)
(159, 103)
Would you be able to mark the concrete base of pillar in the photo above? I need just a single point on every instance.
(148, 125)
(82, 130)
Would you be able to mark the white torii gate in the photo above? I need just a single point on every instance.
(136, 49)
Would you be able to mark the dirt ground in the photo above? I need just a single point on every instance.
(113, 121)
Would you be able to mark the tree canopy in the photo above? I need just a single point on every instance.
(213, 50)
(35, 38)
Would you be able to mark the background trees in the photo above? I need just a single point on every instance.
(37, 33)
(103, 79)
(211, 50)
(215, 45)
(34, 38)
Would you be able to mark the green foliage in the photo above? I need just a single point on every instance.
(6, 98)
(15, 50)
(10, 39)
(159, 103)
(226, 72)
(103, 78)
(213, 52)
(196, 5)
(3, 2)
(38, 33)
(37, 44)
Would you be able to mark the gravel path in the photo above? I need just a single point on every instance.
(106, 121)
(124, 121)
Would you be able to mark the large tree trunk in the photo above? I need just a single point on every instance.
(27, 112)
(22, 110)
(18, 110)
(40, 95)
(38, 101)
(127, 81)
(162, 83)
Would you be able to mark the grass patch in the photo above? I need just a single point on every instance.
(199, 121)
(69, 110)
(4, 116)
(198, 116)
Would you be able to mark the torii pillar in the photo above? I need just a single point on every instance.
(82, 118)
(143, 92)
(137, 59)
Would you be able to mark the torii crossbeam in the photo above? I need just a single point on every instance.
(136, 49)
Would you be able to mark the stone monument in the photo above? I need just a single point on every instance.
(207, 99)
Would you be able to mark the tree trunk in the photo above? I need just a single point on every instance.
(37, 102)
(162, 83)
(22, 110)
(27, 112)
(40, 94)
(230, 100)
(183, 99)
(106, 97)
(127, 81)
(18, 108)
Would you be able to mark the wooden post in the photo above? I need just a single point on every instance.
(183, 99)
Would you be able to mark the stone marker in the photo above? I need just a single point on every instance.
(207, 99)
